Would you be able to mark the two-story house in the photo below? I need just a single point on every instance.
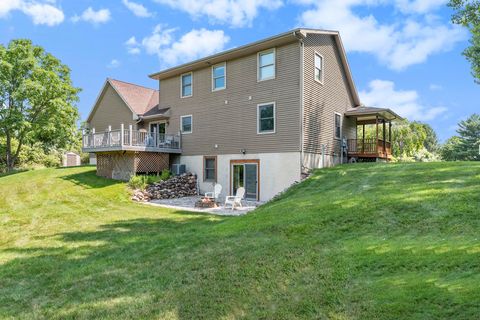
(257, 116)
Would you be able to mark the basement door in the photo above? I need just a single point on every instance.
(245, 174)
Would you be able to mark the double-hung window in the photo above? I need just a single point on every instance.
(266, 118)
(186, 85)
(338, 126)
(186, 124)
(210, 168)
(219, 79)
(266, 65)
(318, 68)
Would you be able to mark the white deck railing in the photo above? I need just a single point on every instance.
(130, 138)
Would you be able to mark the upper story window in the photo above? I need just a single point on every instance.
(186, 125)
(186, 85)
(338, 125)
(266, 65)
(318, 67)
(266, 118)
(219, 80)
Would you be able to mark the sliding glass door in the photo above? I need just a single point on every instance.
(245, 175)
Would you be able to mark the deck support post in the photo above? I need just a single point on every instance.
(155, 138)
(363, 138)
(122, 133)
(376, 140)
(390, 135)
(384, 138)
(130, 134)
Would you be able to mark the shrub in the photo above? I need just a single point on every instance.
(138, 182)
(153, 179)
(165, 175)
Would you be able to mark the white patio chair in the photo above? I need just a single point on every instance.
(216, 192)
(235, 200)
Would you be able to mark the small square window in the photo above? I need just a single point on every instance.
(186, 124)
(186, 80)
(266, 65)
(266, 118)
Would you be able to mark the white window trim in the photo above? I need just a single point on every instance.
(274, 117)
(274, 64)
(334, 127)
(181, 85)
(224, 64)
(181, 124)
(315, 67)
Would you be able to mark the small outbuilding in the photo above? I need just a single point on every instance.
(70, 159)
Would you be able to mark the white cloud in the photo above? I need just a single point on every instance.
(41, 12)
(92, 16)
(44, 14)
(236, 13)
(158, 39)
(192, 45)
(419, 6)
(132, 46)
(9, 5)
(113, 64)
(399, 44)
(382, 93)
(435, 87)
(138, 9)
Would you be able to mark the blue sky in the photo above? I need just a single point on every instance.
(404, 54)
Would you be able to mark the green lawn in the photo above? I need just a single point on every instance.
(360, 241)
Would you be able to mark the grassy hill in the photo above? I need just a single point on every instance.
(360, 241)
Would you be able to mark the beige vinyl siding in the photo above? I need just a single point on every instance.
(228, 117)
(321, 101)
(111, 110)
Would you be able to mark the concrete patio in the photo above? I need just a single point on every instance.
(188, 204)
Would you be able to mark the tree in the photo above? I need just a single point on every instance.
(468, 15)
(431, 140)
(449, 150)
(408, 138)
(469, 132)
(37, 99)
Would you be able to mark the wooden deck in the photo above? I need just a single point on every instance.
(369, 148)
(131, 140)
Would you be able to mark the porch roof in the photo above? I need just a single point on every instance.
(155, 113)
(367, 114)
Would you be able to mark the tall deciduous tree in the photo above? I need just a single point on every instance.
(431, 140)
(37, 99)
(468, 15)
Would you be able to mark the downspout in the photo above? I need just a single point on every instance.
(302, 97)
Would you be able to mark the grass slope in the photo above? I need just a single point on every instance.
(353, 242)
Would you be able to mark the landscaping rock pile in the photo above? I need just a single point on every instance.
(176, 187)
(139, 195)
